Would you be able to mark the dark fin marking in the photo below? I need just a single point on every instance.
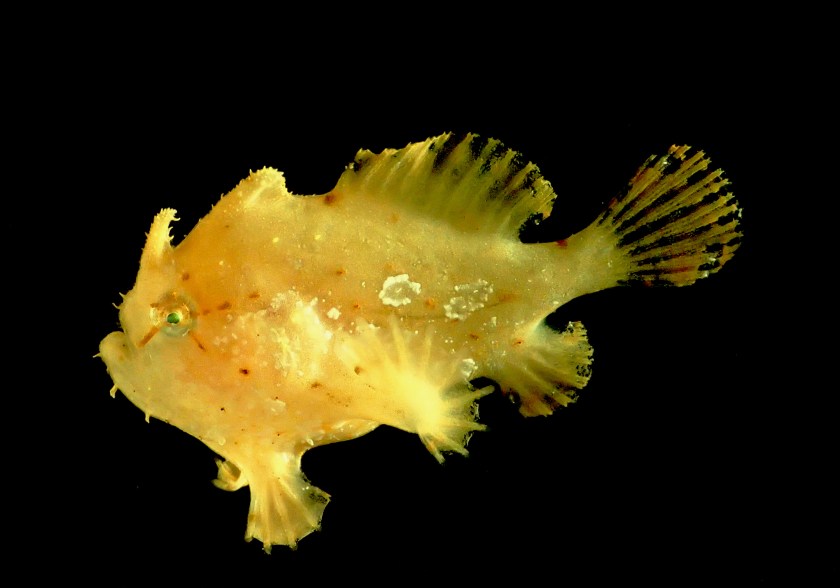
(472, 183)
(674, 224)
(681, 224)
(547, 369)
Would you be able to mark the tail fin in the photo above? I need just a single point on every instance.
(673, 225)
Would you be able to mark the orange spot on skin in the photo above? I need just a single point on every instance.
(431, 303)
(394, 217)
(254, 295)
(224, 305)
(185, 276)
(330, 198)
(315, 385)
(357, 369)
(244, 371)
(518, 341)
(473, 336)
(562, 243)
(356, 306)
(340, 271)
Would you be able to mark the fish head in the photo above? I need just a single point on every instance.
(157, 317)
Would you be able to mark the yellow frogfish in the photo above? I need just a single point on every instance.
(285, 322)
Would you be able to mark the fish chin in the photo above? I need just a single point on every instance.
(116, 351)
(131, 370)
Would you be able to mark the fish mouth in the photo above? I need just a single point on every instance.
(115, 348)
(116, 351)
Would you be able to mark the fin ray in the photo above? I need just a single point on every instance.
(474, 184)
(547, 369)
(285, 507)
(685, 224)
(418, 389)
(675, 223)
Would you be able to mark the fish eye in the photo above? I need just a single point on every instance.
(173, 314)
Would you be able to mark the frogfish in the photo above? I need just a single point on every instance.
(285, 322)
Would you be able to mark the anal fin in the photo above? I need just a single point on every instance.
(545, 369)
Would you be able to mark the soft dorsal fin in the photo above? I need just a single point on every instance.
(472, 183)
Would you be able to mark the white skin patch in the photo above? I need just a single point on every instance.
(397, 290)
(470, 297)
(468, 368)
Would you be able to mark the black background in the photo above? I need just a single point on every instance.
(701, 451)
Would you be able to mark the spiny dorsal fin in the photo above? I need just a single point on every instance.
(472, 183)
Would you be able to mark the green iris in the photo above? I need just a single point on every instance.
(173, 314)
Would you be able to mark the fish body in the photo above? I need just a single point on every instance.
(284, 322)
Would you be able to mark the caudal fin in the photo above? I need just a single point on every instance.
(674, 224)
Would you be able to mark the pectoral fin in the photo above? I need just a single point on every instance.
(414, 386)
(285, 507)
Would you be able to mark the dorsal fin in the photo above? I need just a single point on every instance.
(472, 183)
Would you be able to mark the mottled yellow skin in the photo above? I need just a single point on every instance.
(284, 322)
